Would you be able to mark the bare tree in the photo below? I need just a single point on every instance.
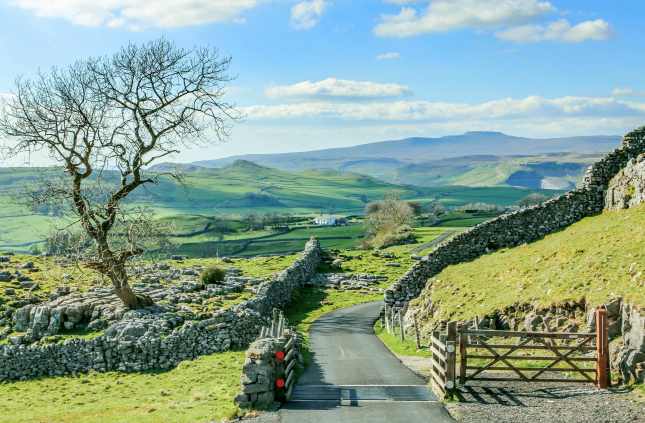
(106, 120)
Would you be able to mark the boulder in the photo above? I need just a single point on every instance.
(39, 320)
(21, 318)
(337, 264)
(28, 284)
(55, 321)
(628, 363)
(532, 321)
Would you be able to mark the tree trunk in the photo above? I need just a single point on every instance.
(122, 289)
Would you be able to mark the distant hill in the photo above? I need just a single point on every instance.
(471, 159)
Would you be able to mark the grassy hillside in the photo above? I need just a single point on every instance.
(597, 258)
(552, 171)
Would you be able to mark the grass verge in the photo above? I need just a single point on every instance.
(393, 342)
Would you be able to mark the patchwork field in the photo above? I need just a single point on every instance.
(212, 205)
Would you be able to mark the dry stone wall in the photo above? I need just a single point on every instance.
(148, 342)
(522, 226)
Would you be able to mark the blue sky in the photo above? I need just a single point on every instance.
(324, 73)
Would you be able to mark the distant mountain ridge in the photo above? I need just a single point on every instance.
(477, 158)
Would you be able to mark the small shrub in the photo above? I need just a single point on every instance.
(630, 192)
(389, 237)
(213, 275)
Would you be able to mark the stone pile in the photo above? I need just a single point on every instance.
(259, 373)
(347, 281)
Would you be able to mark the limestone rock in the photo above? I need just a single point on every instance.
(627, 188)
(532, 322)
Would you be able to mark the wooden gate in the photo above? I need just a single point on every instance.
(520, 356)
(443, 359)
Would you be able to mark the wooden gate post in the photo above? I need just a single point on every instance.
(463, 358)
(451, 356)
(602, 349)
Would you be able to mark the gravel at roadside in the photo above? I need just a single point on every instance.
(519, 402)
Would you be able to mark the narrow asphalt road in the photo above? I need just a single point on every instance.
(353, 377)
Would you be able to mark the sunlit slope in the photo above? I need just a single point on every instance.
(597, 259)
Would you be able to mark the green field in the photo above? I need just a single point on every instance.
(596, 259)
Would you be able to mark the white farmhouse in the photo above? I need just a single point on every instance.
(326, 220)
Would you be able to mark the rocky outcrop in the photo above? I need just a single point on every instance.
(522, 226)
(98, 307)
(146, 341)
(631, 357)
(627, 188)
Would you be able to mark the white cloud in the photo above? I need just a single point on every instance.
(560, 30)
(392, 55)
(307, 14)
(138, 14)
(447, 15)
(627, 92)
(528, 108)
(337, 88)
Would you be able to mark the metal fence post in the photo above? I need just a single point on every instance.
(416, 332)
(602, 349)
